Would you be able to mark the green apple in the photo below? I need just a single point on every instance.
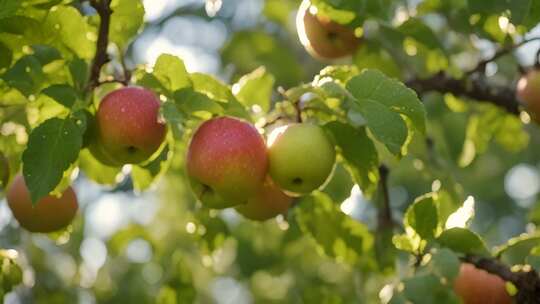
(323, 38)
(267, 203)
(301, 157)
(226, 162)
(476, 286)
(528, 92)
(128, 130)
(49, 214)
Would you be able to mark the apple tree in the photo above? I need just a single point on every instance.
(270, 151)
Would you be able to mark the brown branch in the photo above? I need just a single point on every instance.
(101, 57)
(384, 216)
(503, 97)
(527, 282)
(481, 66)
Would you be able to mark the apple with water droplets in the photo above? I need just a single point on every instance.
(226, 162)
(127, 127)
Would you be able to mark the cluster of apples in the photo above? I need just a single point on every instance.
(229, 165)
(528, 92)
(126, 131)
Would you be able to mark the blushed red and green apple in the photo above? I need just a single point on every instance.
(127, 127)
(226, 162)
(48, 215)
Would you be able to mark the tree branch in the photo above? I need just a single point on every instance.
(384, 216)
(481, 66)
(527, 282)
(101, 57)
(503, 97)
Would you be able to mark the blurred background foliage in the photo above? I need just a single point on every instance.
(158, 246)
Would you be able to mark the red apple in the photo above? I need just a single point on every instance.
(269, 201)
(323, 38)
(226, 162)
(48, 215)
(528, 92)
(128, 130)
(476, 286)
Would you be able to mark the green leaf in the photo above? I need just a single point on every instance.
(217, 90)
(462, 240)
(46, 54)
(5, 55)
(534, 258)
(428, 289)
(126, 21)
(190, 101)
(516, 249)
(52, 147)
(62, 93)
(8, 8)
(171, 72)
(66, 26)
(406, 243)
(422, 217)
(359, 152)
(445, 263)
(338, 235)
(26, 75)
(174, 118)
(386, 125)
(79, 73)
(144, 176)
(374, 85)
(255, 88)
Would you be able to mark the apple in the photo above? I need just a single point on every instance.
(476, 286)
(4, 171)
(267, 203)
(528, 92)
(127, 128)
(226, 162)
(301, 157)
(323, 38)
(49, 214)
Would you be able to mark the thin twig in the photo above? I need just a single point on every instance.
(101, 57)
(481, 66)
